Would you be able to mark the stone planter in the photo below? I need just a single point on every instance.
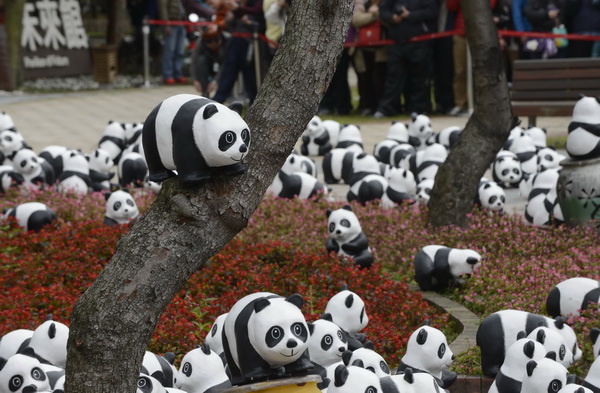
(578, 191)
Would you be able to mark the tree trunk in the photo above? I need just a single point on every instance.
(116, 22)
(456, 182)
(114, 319)
(13, 17)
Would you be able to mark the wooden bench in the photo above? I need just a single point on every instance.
(551, 87)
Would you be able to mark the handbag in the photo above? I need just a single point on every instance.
(560, 42)
(545, 46)
(369, 34)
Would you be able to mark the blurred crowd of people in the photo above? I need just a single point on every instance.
(406, 76)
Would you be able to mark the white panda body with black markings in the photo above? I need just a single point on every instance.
(348, 311)
(592, 379)
(327, 343)
(196, 137)
(202, 371)
(350, 138)
(424, 188)
(32, 216)
(411, 382)
(159, 367)
(574, 388)
(75, 176)
(512, 372)
(132, 169)
(319, 137)
(506, 169)
(433, 156)
(402, 186)
(419, 131)
(35, 170)
(297, 163)
(9, 178)
(538, 135)
(499, 330)
(428, 351)
(11, 141)
(553, 341)
(541, 204)
(571, 295)
(346, 237)
(544, 376)
(214, 338)
(100, 165)
(491, 196)
(437, 267)
(55, 156)
(266, 336)
(6, 122)
(21, 373)
(448, 137)
(370, 188)
(583, 140)
(120, 208)
(337, 166)
(296, 185)
(49, 343)
(353, 379)
(399, 153)
(113, 140)
(548, 158)
(523, 146)
(368, 359)
(14, 341)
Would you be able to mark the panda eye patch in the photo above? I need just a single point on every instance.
(554, 386)
(213, 331)
(345, 223)
(502, 198)
(227, 140)
(117, 206)
(299, 331)
(493, 199)
(142, 382)
(562, 352)
(15, 383)
(129, 202)
(326, 342)
(331, 227)
(516, 171)
(8, 138)
(371, 389)
(38, 374)
(441, 350)
(505, 172)
(384, 367)
(274, 336)
(187, 369)
(341, 336)
(246, 136)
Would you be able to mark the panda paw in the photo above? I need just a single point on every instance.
(160, 176)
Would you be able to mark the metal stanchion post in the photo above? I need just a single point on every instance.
(257, 57)
(469, 80)
(146, 39)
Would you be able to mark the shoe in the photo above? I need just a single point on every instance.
(366, 112)
(182, 80)
(464, 113)
(455, 111)
(324, 112)
(379, 115)
(169, 81)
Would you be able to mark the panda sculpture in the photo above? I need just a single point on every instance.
(101, 165)
(14, 342)
(337, 166)
(353, 379)
(296, 185)
(346, 237)
(48, 343)
(22, 374)
(571, 295)
(438, 267)
(510, 376)
(499, 330)
(433, 156)
(75, 176)
(347, 310)
(55, 156)
(574, 388)
(410, 382)
(113, 140)
(369, 359)
(370, 188)
(202, 371)
(523, 146)
(583, 140)
(419, 130)
(214, 338)
(400, 153)
(448, 137)
(132, 170)
(490, 196)
(160, 367)
(364, 165)
(266, 336)
(298, 163)
(11, 141)
(542, 205)
(428, 351)
(319, 137)
(506, 169)
(397, 134)
(592, 379)
(35, 170)
(595, 337)
(9, 178)
(350, 138)
(544, 376)
(327, 343)
(424, 191)
(548, 158)
(120, 208)
(32, 216)
(554, 342)
(538, 135)
(402, 187)
(133, 133)
(6, 122)
(196, 137)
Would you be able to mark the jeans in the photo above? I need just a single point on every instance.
(237, 60)
(172, 60)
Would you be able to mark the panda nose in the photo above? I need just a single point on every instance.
(342, 349)
(338, 231)
(453, 357)
(243, 149)
(30, 389)
(292, 343)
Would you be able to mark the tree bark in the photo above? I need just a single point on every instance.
(13, 20)
(115, 28)
(114, 319)
(486, 131)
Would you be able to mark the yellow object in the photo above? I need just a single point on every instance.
(307, 384)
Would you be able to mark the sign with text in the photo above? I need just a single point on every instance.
(53, 39)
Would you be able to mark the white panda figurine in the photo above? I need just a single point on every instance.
(370, 188)
(297, 163)
(11, 141)
(160, 367)
(490, 196)
(132, 170)
(362, 166)
(6, 122)
(410, 382)
(337, 166)
(433, 156)
(583, 140)
(595, 337)
(32, 216)
(424, 191)
(448, 137)
(397, 134)
(506, 169)
(554, 342)
(548, 158)
(120, 208)
(49, 343)
(296, 185)
(538, 135)
(524, 148)
(419, 130)
(346, 236)
(113, 140)
(9, 178)
(592, 379)
(327, 343)
(266, 336)
(214, 338)
(319, 137)
(133, 133)
(353, 379)
(149, 384)
(347, 310)
(202, 371)
(438, 267)
(14, 342)
(75, 176)
(35, 170)
(196, 137)
(21, 373)
(368, 359)
(541, 207)
(574, 388)
(428, 351)
(400, 153)
(544, 376)
(55, 156)
(350, 138)
(499, 330)
(101, 165)
(571, 295)
(401, 187)
(510, 376)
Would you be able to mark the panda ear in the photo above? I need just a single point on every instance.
(531, 365)
(205, 348)
(529, 349)
(349, 301)
(346, 356)
(296, 299)
(28, 351)
(598, 99)
(572, 378)
(408, 375)
(559, 322)
(551, 355)
(236, 107)
(340, 375)
(472, 260)
(394, 122)
(52, 330)
(347, 207)
(486, 186)
(49, 317)
(327, 316)
(521, 335)
(358, 363)
(209, 111)
(2, 362)
(422, 337)
(107, 195)
(369, 345)
(541, 336)
(426, 322)
(311, 327)
(581, 95)
(170, 357)
(261, 304)
(413, 116)
(328, 212)
(594, 334)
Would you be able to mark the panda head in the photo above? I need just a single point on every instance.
(49, 342)
(152, 185)
(347, 310)
(221, 135)
(398, 132)
(519, 354)
(133, 133)
(400, 152)
(9, 177)
(149, 384)
(100, 161)
(544, 376)
(214, 336)
(21, 373)
(575, 388)
(354, 379)
(587, 110)
(10, 141)
(506, 168)
(74, 161)
(327, 342)
(436, 153)
(491, 196)
(297, 163)
(350, 133)
(595, 337)
(538, 135)
(121, 207)
(419, 126)
(428, 350)
(569, 335)
(342, 224)
(369, 359)
(315, 127)
(401, 180)
(200, 370)
(463, 263)
(415, 382)
(548, 158)
(546, 179)
(6, 122)
(277, 329)
(26, 162)
(553, 341)
(424, 188)
(115, 130)
(365, 163)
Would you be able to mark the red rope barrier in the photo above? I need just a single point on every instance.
(159, 22)
(531, 34)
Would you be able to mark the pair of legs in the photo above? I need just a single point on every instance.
(172, 60)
